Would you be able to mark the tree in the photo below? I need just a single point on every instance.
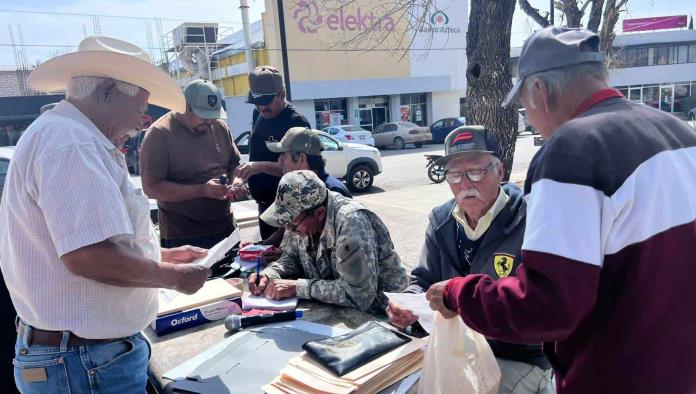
(604, 13)
(488, 73)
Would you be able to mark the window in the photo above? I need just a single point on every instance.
(692, 53)
(631, 57)
(379, 129)
(353, 128)
(330, 112)
(663, 55)
(328, 144)
(390, 127)
(437, 124)
(4, 166)
(641, 57)
(652, 56)
(683, 54)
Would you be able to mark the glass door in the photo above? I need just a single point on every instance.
(379, 116)
(634, 94)
(667, 98)
(366, 119)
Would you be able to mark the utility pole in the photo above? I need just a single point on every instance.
(244, 8)
(551, 12)
(284, 48)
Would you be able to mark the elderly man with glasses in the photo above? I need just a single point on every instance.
(479, 231)
(334, 250)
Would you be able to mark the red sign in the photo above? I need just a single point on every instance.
(654, 23)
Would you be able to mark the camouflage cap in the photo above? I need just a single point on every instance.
(298, 191)
(297, 139)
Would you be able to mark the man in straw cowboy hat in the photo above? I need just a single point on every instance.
(79, 255)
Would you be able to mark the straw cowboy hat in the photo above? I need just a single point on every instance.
(99, 56)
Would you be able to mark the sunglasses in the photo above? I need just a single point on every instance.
(472, 175)
(293, 226)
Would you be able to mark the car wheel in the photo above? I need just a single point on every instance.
(360, 178)
(418, 144)
(399, 143)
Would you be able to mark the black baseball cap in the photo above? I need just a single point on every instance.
(265, 82)
(469, 139)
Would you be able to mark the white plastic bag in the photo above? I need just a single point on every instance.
(458, 360)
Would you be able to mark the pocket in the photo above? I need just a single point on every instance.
(41, 376)
(119, 366)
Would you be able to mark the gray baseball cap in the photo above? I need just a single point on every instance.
(264, 83)
(205, 99)
(298, 191)
(298, 139)
(552, 48)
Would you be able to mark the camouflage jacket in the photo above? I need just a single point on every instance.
(352, 264)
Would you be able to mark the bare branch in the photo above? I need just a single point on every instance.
(533, 13)
(584, 6)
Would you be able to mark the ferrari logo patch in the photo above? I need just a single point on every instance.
(503, 264)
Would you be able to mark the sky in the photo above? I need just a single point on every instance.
(48, 34)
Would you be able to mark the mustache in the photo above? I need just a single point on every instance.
(471, 192)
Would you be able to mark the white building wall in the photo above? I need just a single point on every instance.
(239, 115)
(394, 107)
(306, 108)
(652, 74)
(444, 105)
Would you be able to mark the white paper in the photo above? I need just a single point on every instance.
(215, 254)
(417, 304)
(261, 302)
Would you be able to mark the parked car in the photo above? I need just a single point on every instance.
(442, 127)
(398, 134)
(525, 125)
(350, 133)
(6, 153)
(355, 164)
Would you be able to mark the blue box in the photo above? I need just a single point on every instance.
(178, 321)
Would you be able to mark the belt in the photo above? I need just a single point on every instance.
(54, 338)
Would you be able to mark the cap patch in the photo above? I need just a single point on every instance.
(212, 100)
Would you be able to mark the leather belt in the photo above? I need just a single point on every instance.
(54, 338)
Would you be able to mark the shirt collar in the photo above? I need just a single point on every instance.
(484, 223)
(67, 109)
(597, 98)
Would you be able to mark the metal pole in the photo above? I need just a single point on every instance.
(244, 7)
(551, 12)
(284, 48)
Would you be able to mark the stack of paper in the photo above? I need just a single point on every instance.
(261, 302)
(304, 375)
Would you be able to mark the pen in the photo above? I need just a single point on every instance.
(258, 270)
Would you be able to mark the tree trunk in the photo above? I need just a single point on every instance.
(571, 12)
(488, 73)
(611, 16)
(595, 15)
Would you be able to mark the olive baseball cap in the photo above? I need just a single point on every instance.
(469, 139)
(552, 48)
(205, 99)
(298, 139)
(298, 191)
(265, 82)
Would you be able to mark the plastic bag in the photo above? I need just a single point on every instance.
(458, 360)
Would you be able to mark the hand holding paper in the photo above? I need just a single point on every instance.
(417, 304)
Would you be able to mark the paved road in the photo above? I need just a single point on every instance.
(403, 169)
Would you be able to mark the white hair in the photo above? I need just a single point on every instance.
(559, 81)
(79, 88)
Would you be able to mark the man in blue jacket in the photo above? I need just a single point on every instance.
(479, 231)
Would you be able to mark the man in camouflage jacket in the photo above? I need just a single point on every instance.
(335, 250)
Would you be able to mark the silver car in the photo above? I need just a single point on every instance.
(398, 134)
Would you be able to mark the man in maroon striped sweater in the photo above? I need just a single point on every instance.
(609, 257)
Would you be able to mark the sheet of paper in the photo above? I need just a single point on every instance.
(417, 304)
(261, 302)
(215, 254)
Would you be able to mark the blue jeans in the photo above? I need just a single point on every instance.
(119, 366)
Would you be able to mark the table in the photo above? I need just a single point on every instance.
(170, 350)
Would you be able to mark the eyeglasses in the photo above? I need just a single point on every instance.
(472, 175)
(294, 226)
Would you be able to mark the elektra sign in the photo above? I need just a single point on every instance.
(309, 19)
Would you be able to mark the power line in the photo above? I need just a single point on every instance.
(111, 16)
